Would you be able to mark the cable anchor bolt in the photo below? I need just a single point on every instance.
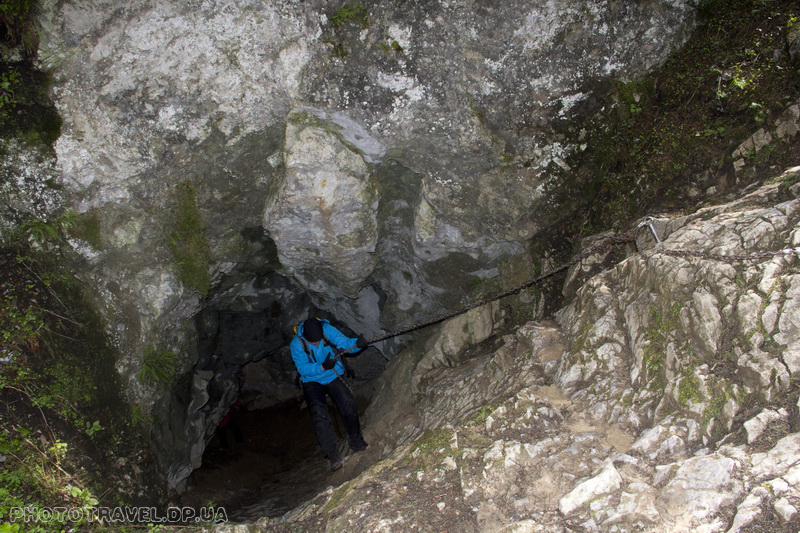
(648, 221)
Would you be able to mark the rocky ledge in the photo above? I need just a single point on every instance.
(663, 398)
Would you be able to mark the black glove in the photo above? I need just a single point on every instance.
(328, 363)
(348, 372)
(361, 342)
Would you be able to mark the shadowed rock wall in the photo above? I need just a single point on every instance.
(369, 162)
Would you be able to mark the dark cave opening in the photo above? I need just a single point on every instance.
(277, 465)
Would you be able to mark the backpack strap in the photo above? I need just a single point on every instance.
(311, 359)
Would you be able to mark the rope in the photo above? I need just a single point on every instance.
(340, 354)
(606, 244)
(628, 236)
(731, 258)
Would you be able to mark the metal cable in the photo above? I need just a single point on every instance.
(628, 236)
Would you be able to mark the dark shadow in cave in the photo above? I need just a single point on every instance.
(278, 465)
(244, 352)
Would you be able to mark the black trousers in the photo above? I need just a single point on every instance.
(321, 417)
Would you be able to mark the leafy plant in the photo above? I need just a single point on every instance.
(83, 496)
(41, 231)
(19, 326)
(9, 83)
(760, 114)
(736, 56)
(137, 417)
(93, 427)
(158, 366)
(33, 477)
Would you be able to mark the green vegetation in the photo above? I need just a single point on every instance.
(733, 76)
(17, 20)
(42, 231)
(59, 389)
(351, 12)
(189, 243)
(60, 392)
(351, 16)
(26, 111)
(580, 340)
(433, 441)
(431, 448)
(158, 366)
(689, 388)
(663, 325)
(61, 407)
(719, 393)
(9, 84)
(35, 467)
(481, 416)
(481, 287)
(87, 227)
(391, 46)
(337, 497)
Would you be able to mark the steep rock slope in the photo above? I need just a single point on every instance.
(194, 136)
(664, 399)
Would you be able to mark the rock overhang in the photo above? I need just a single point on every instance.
(212, 111)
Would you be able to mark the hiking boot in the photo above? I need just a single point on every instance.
(336, 464)
(359, 446)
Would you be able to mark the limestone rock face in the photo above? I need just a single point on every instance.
(464, 116)
(467, 93)
(323, 216)
(664, 399)
(24, 189)
(678, 321)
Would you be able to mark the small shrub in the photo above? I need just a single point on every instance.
(9, 83)
(158, 366)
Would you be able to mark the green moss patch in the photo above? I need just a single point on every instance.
(350, 13)
(189, 243)
(26, 111)
(662, 326)
(87, 227)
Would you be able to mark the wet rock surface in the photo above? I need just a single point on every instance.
(631, 413)
(440, 129)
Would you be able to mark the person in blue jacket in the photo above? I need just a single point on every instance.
(321, 373)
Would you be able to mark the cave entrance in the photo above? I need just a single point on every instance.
(244, 335)
(277, 466)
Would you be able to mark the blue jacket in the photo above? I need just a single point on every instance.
(310, 365)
